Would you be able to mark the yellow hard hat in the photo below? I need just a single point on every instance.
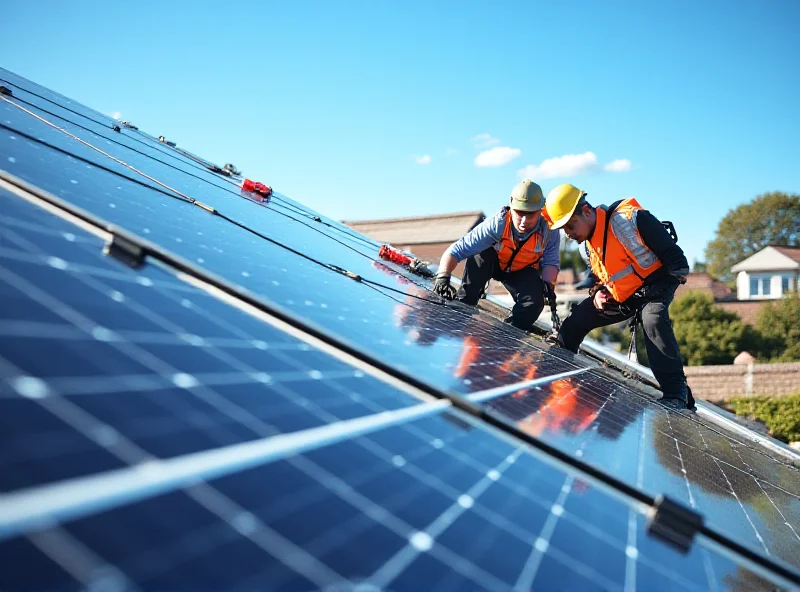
(561, 203)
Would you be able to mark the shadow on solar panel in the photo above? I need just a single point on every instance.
(180, 411)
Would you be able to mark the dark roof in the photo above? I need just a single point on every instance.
(417, 230)
(791, 252)
(704, 282)
(747, 310)
(195, 394)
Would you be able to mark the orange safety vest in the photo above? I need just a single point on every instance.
(617, 253)
(514, 257)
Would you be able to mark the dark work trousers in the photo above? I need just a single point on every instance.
(524, 285)
(659, 338)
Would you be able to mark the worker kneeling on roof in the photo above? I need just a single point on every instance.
(515, 247)
(637, 265)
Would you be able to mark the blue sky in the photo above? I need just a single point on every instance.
(370, 109)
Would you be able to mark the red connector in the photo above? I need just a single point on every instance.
(393, 255)
(256, 187)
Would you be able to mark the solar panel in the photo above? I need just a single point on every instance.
(188, 443)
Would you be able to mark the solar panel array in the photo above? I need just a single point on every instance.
(267, 405)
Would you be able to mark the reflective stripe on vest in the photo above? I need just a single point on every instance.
(526, 256)
(627, 261)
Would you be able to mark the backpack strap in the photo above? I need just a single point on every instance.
(609, 213)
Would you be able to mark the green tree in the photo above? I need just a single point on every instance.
(779, 325)
(770, 219)
(708, 334)
(570, 257)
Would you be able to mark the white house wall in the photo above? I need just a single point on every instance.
(743, 279)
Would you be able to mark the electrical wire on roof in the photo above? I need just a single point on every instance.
(275, 202)
(172, 192)
(228, 168)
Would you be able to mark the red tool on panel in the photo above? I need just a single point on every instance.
(255, 187)
(395, 256)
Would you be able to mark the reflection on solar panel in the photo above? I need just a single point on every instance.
(243, 396)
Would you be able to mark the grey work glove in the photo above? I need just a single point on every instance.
(441, 285)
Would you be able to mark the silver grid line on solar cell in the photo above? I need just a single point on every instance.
(46, 504)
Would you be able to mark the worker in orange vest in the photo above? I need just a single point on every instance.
(638, 266)
(515, 247)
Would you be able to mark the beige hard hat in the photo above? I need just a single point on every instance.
(527, 196)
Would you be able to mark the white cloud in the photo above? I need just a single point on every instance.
(450, 152)
(424, 159)
(484, 141)
(497, 156)
(561, 166)
(116, 115)
(621, 165)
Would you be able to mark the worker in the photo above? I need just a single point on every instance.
(515, 247)
(638, 266)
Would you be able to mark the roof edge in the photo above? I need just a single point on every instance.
(475, 213)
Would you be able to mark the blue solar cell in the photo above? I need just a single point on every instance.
(389, 519)
(141, 356)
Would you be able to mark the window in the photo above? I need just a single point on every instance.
(784, 284)
(760, 286)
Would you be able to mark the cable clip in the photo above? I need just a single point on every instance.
(231, 169)
(343, 271)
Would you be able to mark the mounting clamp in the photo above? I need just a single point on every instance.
(673, 523)
(125, 251)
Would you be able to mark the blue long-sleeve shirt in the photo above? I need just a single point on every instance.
(489, 232)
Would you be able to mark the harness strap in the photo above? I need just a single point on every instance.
(514, 253)
(609, 212)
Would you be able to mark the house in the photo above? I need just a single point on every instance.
(769, 274)
(427, 237)
(763, 277)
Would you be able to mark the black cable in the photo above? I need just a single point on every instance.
(212, 210)
(154, 144)
(202, 179)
